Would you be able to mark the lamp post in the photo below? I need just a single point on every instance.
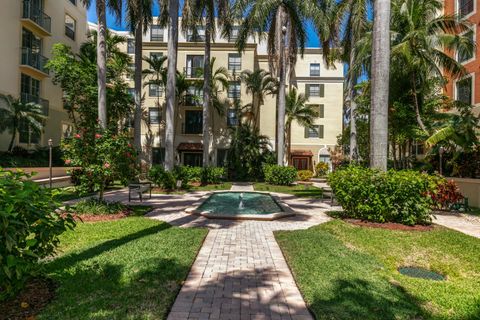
(50, 143)
(440, 152)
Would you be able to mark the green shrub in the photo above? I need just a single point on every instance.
(188, 174)
(321, 169)
(212, 175)
(29, 229)
(279, 175)
(95, 207)
(394, 196)
(305, 175)
(162, 178)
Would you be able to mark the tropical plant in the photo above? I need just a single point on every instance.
(298, 111)
(279, 175)
(14, 114)
(156, 73)
(116, 7)
(305, 175)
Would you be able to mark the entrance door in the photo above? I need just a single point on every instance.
(192, 159)
(300, 163)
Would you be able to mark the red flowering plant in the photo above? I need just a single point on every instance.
(446, 195)
(104, 156)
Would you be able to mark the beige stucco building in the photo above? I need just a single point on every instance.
(324, 87)
(29, 30)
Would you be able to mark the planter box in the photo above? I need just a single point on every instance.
(43, 172)
(470, 188)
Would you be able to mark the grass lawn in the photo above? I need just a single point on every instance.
(209, 187)
(298, 190)
(350, 272)
(131, 268)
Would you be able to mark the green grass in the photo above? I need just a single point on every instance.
(131, 268)
(304, 191)
(68, 193)
(350, 272)
(209, 187)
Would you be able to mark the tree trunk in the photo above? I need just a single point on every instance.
(417, 107)
(171, 83)
(14, 135)
(281, 98)
(353, 106)
(137, 127)
(380, 85)
(206, 95)
(289, 141)
(102, 64)
(394, 153)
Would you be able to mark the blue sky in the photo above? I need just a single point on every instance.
(312, 42)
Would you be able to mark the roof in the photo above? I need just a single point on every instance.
(186, 146)
(305, 153)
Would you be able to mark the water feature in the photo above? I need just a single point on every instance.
(243, 203)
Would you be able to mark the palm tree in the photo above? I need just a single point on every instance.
(298, 111)
(284, 21)
(380, 76)
(258, 83)
(156, 73)
(421, 38)
(139, 17)
(15, 113)
(355, 13)
(116, 7)
(214, 14)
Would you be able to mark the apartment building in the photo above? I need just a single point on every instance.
(467, 88)
(29, 30)
(323, 86)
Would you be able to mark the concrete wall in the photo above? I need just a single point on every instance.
(470, 188)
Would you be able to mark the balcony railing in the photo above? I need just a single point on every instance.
(193, 100)
(195, 38)
(29, 98)
(466, 8)
(34, 59)
(37, 16)
(193, 72)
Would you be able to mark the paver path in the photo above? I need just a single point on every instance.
(459, 223)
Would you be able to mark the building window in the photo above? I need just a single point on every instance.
(320, 109)
(234, 90)
(131, 91)
(158, 155)
(130, 46)
(194, 96)
(154, 115)
(67, 130)
(197, 36)
(314, 132)
(234, 34)
(74, 2)
(232, 119)
(194, 67)
(314, 69)
(222, 157)
(192, 159)
(464, 90)
(234, 62)
(315, 90)
(156, 33)
(466, 56)
(28, 134)
(465, 7)
(70, 27)
(193, 122)
(155, 90)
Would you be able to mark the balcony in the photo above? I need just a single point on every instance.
(193, 100)
(28, 98)
(195, 38)
(36, 19)
(35, 60)
(193, 72)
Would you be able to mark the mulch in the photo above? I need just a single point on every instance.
(389, 225)
(38, 292)
(100, 217)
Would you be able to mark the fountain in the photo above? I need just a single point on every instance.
(240, 205)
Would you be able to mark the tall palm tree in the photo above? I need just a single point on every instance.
(213, 14)
(284, 21)
(380, 76)
(258, 84)
(421, 37)
(14, 113)
(139, 18)
(116, 7)
(355, 13)
(156, 74)
(297, 110)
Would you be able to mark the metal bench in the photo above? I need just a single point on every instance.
(139, 188)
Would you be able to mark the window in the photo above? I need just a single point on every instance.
(197, 36)
(156, 33)
(67, 130)
(28, 134)
(232, 120)
(315, 90)
(70, 27)
(155, 55)
(234, 34)
(74, 2)
(234, 62)
(234, 90)
(193, 122)
(464, 89)
(314, 132)
(222, 157)
(192, 159)
(130, 46)
(194, 67)
(158, 155)
(465, 56)
(155, 90)
(465, 7)
(194, 96)
(154, 115)
(320, 108)
(131, 71)
(314, 69)
(131, 91)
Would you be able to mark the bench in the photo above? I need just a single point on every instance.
(139, 188)
(328, 193)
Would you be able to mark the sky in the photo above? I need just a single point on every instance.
(312, 41)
